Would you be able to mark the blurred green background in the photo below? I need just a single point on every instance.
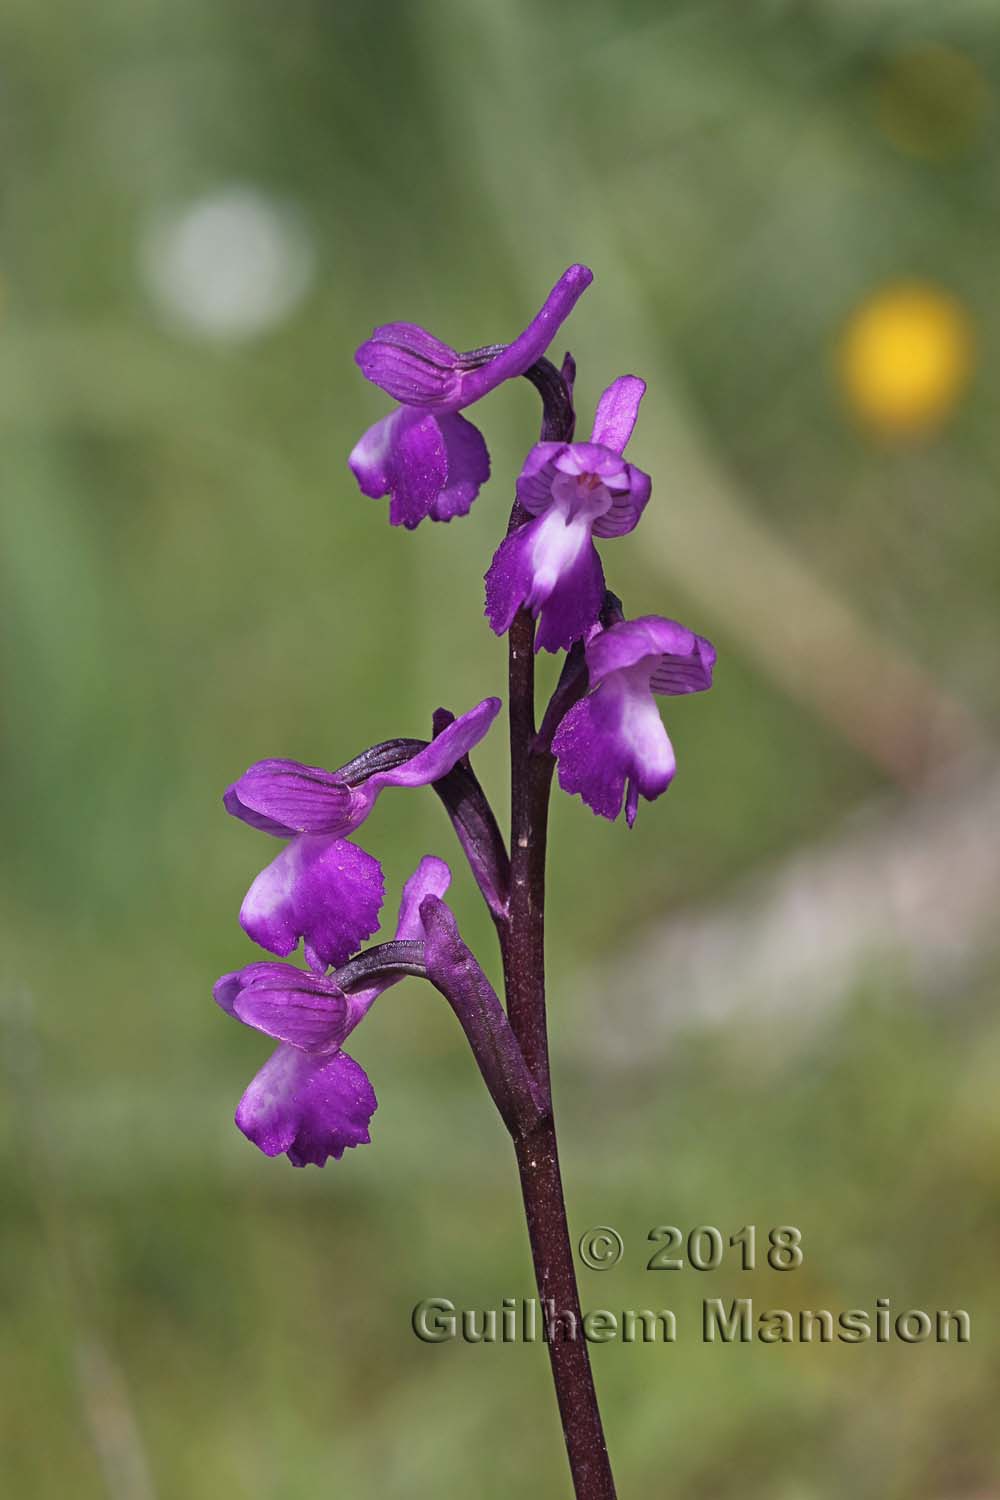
(791, 210)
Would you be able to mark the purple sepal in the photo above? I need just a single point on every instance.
(282, 797)
(617, 411)
(309, 1107)
(312, 1017)
(285, 1002)
(323, 890)
(417, 369)
(612, 743)
(226, 990)
(678, 661)
(429, 464)
(411, 365)
(432, 877)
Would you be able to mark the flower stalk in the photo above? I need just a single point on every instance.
(524, 978)
(601, 730)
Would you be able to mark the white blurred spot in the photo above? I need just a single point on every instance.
(229, 265)
(913, 884)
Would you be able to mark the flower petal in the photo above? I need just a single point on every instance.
(325, 890)
(226, 990)
(685, 674)
(617, 411)
(685, 659)
(534, 483)
(509, 578)
(468, 466)
(430, 464)
(312, 1108)
(419, 467)
(627, 505)
(574, 603)
(410, 364)
(370, 460)
(294, 1006)
(432, 877)
(284, 797)
(613, 735)
(626, 643)
(553, 569)
(403, 456)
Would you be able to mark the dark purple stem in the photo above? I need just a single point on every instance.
(524, 977)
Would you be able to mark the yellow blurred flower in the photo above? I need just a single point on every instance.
(905, 358)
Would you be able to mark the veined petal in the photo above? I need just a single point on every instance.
(310, 1107)
(324, 890)
(284, 797)
(617, 411)
(627, 505)
(410, 364)
(678, 660)
(298, 1007)
(691, 673)
(534, 483)
(227, 990)
(419, 370)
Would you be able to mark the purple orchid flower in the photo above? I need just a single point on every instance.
(426, 457)
(574, 492)
(311, 1100)
(323, 888)
(615, 735)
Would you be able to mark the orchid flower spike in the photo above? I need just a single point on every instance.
(614, 736)
(323, 888)
(427, 458)
(311, 1100)
(573, 492)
